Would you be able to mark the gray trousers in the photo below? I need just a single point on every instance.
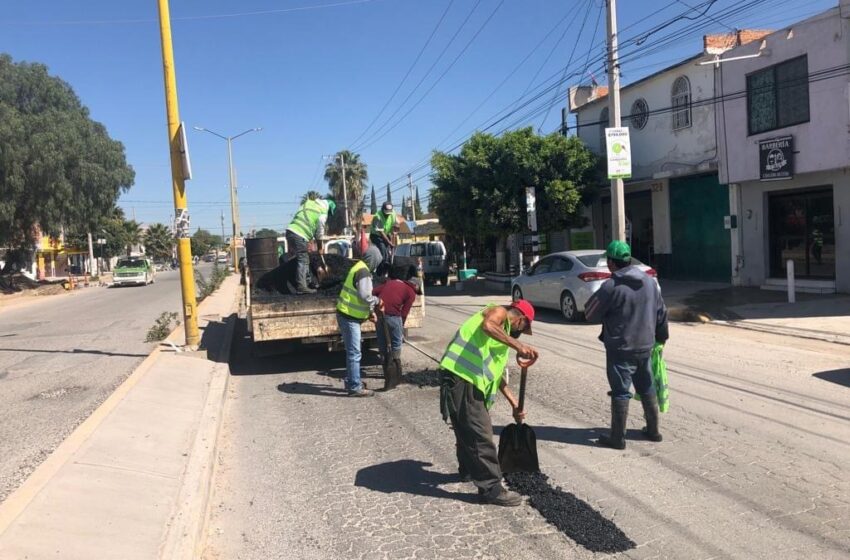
(476, 453)
(298, 245)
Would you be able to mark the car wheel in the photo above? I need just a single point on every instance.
(517, 293)
(568, 307)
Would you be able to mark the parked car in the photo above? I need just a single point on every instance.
(221, 259)
(430, 255)
(133, 271)
(566, 280)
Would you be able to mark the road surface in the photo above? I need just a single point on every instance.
(62, 356)
(754, 462)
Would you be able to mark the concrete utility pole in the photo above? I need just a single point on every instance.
(618, 213)
(184, 249)
(222, 226)
(92, 265)
(412, 201)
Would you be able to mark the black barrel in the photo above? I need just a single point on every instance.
(261, 253)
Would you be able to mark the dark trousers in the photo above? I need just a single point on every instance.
(476, 453)
(298, 245)
(381, 244)
(624, 369)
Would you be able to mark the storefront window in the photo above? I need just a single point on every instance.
(802, 229)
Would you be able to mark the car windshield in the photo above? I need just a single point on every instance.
(130, 263)
(435, 250)
(598, 260)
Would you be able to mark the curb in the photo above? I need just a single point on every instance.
(787, 331)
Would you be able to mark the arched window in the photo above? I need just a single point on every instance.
(681, 103)
(603, 124)
(640, 113)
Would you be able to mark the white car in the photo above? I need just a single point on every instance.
(566, 280)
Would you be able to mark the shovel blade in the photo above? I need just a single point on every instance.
(518, 449)
(392, 373)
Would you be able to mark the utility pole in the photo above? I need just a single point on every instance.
(344, 193)
(233, 216)
(618, 214)
(181, 210)
(92, 265)
(222, 226)
(412, 201)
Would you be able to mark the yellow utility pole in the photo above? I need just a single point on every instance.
(181, 210)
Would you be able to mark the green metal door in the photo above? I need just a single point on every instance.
(701, 244)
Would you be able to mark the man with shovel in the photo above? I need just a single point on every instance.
(633, 316)
(472, 371)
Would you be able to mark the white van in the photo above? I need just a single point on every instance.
(430, 255)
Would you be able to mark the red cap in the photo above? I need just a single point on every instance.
(527, 310)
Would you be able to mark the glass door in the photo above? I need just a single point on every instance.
(802, 229)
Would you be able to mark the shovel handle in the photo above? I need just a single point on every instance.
(522, 377)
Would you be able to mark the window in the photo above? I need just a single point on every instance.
(778, 96)
(417, 250)
(562, 265)
(542, 267)
(640, 113)
(603, 123)
(680, 99)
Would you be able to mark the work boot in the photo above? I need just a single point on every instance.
(650, 413)
(504, 498)
(619, 413)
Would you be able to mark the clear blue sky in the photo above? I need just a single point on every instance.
(315, 78)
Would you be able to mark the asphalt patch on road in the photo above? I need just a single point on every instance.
(572, 516)
(57, 393)
(423, 378)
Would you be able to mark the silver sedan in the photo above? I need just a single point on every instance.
(566, 281)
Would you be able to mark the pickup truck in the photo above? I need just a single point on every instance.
(307, 318)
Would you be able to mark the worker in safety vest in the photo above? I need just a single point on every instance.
(355, 305)
(472, 372)
(308, 224)
(383, 225)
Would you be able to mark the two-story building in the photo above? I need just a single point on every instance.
(674, 202)
(784, 149)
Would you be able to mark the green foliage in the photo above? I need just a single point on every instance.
(266, 232)
(373, 207)
(207, 287)
(356, 176)
(161, 327)
(203, 241)
(417, 206)
(481, 191)
(58, 167)
(311, 195)
(159, 242)
(389, 195)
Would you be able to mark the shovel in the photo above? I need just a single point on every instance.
(392, 364)
(518, 443)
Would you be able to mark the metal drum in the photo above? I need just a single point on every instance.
(261, 253)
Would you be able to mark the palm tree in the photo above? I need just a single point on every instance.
(356, 177)
(159, 241)
(311, 195)
(131, 234)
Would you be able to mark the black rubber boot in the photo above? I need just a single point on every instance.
(619, 414)
(650, 412)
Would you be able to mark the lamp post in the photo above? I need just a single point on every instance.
(234, 203)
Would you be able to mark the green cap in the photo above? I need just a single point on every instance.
(618, 250)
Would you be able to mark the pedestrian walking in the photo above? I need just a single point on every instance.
(355, 305)
(397, 296)
(473, 366)
(307, 224)
(633, 316)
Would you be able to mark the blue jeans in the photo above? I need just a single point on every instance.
(625, 369)
(350, 331)
(396, 328)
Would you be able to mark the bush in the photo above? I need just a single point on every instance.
(207, 287)
(162, 327)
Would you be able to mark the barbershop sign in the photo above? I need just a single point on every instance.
(776, 159)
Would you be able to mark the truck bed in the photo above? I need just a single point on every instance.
(309, 316)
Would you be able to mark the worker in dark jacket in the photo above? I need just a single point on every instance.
(633, 316)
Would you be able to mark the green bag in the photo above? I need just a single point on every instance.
(659, 378)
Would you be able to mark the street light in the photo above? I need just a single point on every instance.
(234, 204)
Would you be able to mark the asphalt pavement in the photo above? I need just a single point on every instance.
(753, 463)
(61, 356)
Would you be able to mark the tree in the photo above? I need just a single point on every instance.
(356, 176)
(203, 241)
(374, 206)
(417, 206)
(130, 234)
(266, 232)
(389, 194)
(310, 195)
(59, 169)
(481, 190)
(159, 242)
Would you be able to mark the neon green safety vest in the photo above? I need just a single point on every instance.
(306, 219)
(349, 301)
(475, 357)
(385, 223)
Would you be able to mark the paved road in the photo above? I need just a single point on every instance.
(62, 356)
(753, 465)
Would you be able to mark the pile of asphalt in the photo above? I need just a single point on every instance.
(572, 516)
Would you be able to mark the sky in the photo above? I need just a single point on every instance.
(315, 74)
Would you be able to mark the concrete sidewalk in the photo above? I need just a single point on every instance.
(132, 481)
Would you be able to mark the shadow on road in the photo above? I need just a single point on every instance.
(410, 477)
(838, 376)
(572, 436)
(212, 339)
(314, 389)
(75, 351)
